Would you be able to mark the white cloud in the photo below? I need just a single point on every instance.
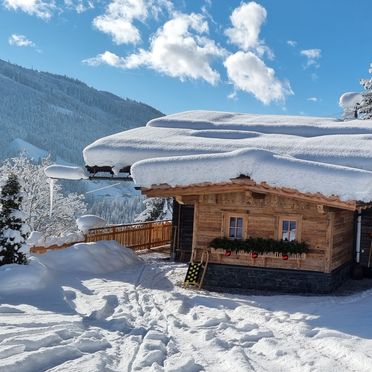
(178, 49)
(312, 56)
(292, 43)
(20, 40)
(247, 21)
(107, 58)
(249, 73)
(120, 15)
(313, 99)
(80, 6)
(246, 69)
(40, 8)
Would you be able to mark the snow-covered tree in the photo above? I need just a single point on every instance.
(365, 107)
(36, 201)
(13, 229)
(157, 209)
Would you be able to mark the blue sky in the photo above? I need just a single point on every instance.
(293, 57)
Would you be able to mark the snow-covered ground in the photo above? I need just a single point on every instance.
(139, 318)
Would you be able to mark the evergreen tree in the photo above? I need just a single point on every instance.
(365, 107)
(13, 230)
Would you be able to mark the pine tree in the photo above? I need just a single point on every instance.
(365, 107)
(13, 230)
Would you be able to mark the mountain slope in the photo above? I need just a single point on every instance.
(60, 114)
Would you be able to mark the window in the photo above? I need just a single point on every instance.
(289, 228)
(235, 226)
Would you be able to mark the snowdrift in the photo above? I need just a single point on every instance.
(23, 278)
(93, 258)
(90, 221)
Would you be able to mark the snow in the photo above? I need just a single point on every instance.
(16, 278)
(65, 172)
(349, 100)
(19, 146)
(139, 319)
(93, 258)
(295, 152)
(259, 165)
(37, 239)
(90, 221)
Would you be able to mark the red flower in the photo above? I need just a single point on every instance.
(228, 253)
(254, 255)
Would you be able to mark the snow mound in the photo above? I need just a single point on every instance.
(94, 258)
(349, 100)
(37, 239)
(16, 278)
(90, 221)
(65, 172)
(204, 146)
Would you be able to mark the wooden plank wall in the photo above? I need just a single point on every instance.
(343, 238)
(263, 221)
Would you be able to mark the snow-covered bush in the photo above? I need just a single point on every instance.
(157, 209)
(13, 229)
(36, 198)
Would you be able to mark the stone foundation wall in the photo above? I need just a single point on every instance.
(225, 277)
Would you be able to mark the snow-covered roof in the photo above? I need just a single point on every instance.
(310, 154)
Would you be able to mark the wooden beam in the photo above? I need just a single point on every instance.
(246, 185)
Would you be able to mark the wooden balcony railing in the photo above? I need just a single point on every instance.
(137, 236)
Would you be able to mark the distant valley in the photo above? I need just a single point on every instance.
(44, 114)
(58, 114)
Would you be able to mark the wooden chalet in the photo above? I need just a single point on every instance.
(241, 208)
(255, 235)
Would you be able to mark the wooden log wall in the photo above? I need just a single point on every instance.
(343, 238)
(328, 232)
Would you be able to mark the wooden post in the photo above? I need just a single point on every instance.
(114, 233)
(150, 235)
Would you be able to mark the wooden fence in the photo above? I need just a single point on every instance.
(137, 236)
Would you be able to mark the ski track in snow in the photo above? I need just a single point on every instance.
(142, 320)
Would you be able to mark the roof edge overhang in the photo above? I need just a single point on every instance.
(246, 184)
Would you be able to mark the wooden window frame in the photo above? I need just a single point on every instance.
(226, 223)
(297, 219)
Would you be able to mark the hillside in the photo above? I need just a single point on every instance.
(60, 114)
